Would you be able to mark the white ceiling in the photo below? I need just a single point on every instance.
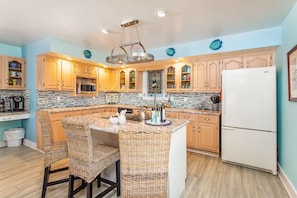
(80, 21)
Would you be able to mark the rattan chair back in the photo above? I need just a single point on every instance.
(47, 131)
(144, 163)
(79, 142)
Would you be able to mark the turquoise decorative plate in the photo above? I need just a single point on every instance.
(170, 51)
(216, 44)
(87, 53)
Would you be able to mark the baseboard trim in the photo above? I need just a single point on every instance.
(203, 152)
(287, 183)
(30, 144)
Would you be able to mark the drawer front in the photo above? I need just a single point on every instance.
(187, 116)
(171, 115)
(92, 111)
(61, 115)
(208, 119)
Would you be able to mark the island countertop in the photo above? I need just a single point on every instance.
(100, 122)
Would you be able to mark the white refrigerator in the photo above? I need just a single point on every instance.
(249, 118)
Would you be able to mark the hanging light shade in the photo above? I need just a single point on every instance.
(129, 53)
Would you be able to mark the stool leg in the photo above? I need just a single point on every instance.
(89, 190)
(70, 187)
(118, 175)
(99, 180)
(45, 180)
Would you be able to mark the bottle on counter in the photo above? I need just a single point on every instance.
(154, 115)
(158, 114)
(163, 112)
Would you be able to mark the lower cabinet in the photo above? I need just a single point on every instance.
(56, 119)
(208, 133)
(203, 131)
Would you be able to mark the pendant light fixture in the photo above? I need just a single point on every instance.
(129, 53)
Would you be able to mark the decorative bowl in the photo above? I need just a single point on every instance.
(113, 120)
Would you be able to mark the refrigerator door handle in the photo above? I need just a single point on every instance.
(228, 128)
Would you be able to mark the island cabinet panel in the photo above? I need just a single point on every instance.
(208, 137)
(191, 128)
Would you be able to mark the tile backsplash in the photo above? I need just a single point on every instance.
(8, 93)
(53, 99)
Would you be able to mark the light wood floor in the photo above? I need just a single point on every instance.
(21, 176)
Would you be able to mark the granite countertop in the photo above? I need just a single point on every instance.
(15, 115)
(100, 122)
(178, 110)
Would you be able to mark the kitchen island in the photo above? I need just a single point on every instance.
(106, 133)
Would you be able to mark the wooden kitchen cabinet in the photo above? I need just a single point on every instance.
(232, 63)
(56, 122)
(262, 59)
(191, 129)
(208, 130)
(92, 111)
(207, 76)
(54, 74)
(171, 115)
(88, 71)
(178, 77)
(56, 119)
(129, 80)
(103, 80)
(13, 73)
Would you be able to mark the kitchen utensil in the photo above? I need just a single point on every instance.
(143, 115)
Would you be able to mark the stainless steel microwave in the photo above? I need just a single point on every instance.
(85, 87)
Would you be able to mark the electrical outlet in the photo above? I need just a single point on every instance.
(185, 99)
(58, 98)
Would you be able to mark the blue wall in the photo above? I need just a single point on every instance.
(10, 50)
(287, 111)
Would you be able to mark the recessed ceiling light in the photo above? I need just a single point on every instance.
(161, 13)
(105, 31)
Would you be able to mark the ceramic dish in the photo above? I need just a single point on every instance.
(216, 44)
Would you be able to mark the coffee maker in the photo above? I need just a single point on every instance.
(17, 103)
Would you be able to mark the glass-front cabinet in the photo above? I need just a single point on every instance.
(132, 79)
(186, 77)
(170, 79)
(128, 80)
(13, 73)
(178, 77)
(122, 80)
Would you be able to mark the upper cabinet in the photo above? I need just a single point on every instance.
(54, 74)
(129, 80)
(232, 63)
(83, 70)
(207, 76)
(13, 73)
(178, 77)
(262, 59)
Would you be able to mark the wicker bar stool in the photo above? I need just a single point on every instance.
(144, 163)
(53, 152)
(87, 161)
